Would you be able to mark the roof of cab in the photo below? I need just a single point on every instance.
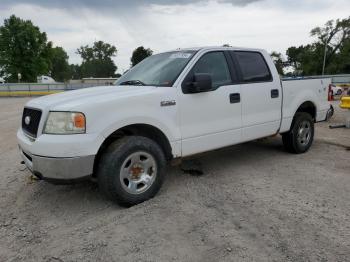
(207, 48)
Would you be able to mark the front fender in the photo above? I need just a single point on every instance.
(172, 136)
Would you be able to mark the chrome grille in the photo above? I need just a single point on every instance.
(30, 121)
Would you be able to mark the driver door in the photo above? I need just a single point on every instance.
(212, 119)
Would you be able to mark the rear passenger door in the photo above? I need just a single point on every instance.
(261, 96)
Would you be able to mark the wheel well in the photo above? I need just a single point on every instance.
(144, 130)
(308, 107)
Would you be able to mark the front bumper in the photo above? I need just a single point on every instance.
(59, 157)
(62, 168)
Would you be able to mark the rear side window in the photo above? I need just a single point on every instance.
(253, 67)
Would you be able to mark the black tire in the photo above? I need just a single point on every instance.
(109, 174)
(291, 140)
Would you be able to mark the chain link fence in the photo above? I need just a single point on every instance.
(38, 89)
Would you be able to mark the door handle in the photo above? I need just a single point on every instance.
(235, 98)
(274, 93)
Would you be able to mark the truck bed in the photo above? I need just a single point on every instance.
(297, 91)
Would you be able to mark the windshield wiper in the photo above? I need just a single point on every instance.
(132, 83)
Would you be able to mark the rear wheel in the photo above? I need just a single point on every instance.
(300, 138)
(131, 170)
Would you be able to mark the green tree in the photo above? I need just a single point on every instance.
(344, 58)
(75, 71)
(23, 49)
(335, 35)
(294, 56)
(306, 60)
(277, 59)
(139, 54)
(60, 69)
(97, 60)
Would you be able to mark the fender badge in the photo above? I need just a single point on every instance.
(168, 103)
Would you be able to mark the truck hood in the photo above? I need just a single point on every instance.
(72, 99)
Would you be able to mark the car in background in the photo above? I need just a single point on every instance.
(45, 80)
(337, 90)
(2, 81)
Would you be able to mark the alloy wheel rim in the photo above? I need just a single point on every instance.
(304, 133)
(138, 172)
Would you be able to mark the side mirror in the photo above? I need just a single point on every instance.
(201, 83)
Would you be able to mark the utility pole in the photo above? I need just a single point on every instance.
(324, 58)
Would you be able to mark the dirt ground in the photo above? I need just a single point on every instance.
(253, 202)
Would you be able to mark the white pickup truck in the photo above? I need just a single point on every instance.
(171, 105)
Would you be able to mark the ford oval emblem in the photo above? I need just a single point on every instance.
(27, 120)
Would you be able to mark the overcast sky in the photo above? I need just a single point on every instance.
(165, 24)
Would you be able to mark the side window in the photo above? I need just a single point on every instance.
(253, 67)
(215, 64)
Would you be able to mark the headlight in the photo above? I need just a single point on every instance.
(65, 123)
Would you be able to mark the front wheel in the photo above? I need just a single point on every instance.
(131, 170)
(301, 135)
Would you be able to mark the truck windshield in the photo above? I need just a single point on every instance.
(157, 70)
